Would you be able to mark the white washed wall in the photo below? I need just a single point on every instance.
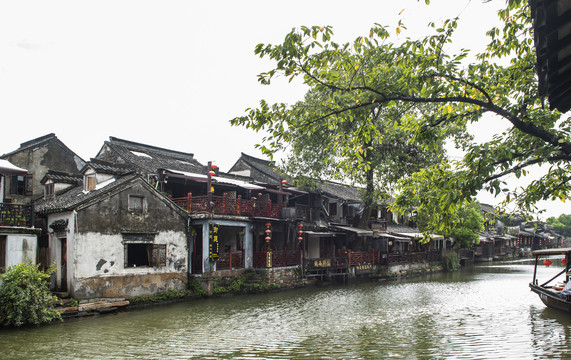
(21, 248)
(104, 255)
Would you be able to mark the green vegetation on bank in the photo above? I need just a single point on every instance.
(450, 261)
(25, 297)
(249, 282)
(193, 290)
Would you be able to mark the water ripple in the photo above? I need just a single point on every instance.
(487, 313)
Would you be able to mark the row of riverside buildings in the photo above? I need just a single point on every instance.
(138, 220)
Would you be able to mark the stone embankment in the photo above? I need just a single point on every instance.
(72, 308)
(236, 282)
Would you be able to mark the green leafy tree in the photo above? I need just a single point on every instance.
(440, 91)
(25, 297)
(466, 224)
(561, 224)
(365, 146)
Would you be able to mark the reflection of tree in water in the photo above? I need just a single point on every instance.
(550, 329)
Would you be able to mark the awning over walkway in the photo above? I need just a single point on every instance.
(420, 236)
(320, 233)
(215, 179)
(394, 237)
(357, 231)
(7, 168)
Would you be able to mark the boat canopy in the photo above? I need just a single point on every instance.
(555, 251)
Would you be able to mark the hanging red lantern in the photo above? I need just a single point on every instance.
(268, 239)
(211, 173)
(300, 239)
(268, 231)
(300, 225)
(547, 262)
(284, 182)
(563, 261)
(214, 167)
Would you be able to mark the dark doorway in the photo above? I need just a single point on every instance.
(63, 265)
(197, 250)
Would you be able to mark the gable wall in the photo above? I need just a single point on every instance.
(49, 155)
(96, 254)
(111, 215)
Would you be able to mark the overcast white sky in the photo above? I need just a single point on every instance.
(172, 73)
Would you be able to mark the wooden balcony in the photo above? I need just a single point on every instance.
(279, 258)
(228, 205)
(17, 215)
(231, 260)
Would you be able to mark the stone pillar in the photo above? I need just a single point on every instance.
(248, 245)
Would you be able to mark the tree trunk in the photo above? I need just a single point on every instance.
(369, 200)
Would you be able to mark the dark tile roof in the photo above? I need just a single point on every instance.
(552, 32)
(265, 167)
(329, 188)
(148, 159)
(104, 167)
(340, 191)
(76, 196)
(62, 177)
(487, 208)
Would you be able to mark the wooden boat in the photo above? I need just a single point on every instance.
(548, 291)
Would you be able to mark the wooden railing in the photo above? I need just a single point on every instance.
(16, 215)
(228, 206)
(362, 257)
(401, 258)
(279, 258)
(230, 260)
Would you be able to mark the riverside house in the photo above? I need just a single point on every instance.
(20, 190)
(115, 236)
(18, 238)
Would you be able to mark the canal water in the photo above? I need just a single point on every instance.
(484, 312)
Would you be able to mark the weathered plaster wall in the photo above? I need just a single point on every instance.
(111, 215)
(99, 247)
(104, 255)
(49, 155)
(20, 248)
(99, 267)
(129, 285)
(96, 247)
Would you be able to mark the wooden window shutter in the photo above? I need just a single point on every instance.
(14, 184)
(159, 255)
(91, 183)
(29, 185)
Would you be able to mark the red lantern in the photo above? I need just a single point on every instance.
(284, 182)
(211, 173)
(268, 231)
(547, 262)
(563, 261)
(300, 239)
(300, 225)
(268, 239)
(214, 167)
